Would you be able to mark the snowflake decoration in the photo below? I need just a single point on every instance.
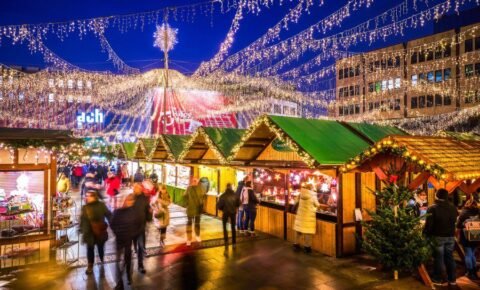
(165, 37)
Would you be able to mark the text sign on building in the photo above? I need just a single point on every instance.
(86, 119)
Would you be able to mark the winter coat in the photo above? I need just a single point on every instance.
(161, 205)
(89, 183)
(142, 209)
(194, 198)
(63, 185)
(305, 220)
(112, 186)
(125, 173)
(78, 171)
(124, 225)
(441, 219)
(252, 199)
(465, 214)
(95, 212)
(228, 202)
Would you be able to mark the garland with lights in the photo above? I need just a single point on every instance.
(211, 145)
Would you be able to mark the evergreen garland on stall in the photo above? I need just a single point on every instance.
(394, 234)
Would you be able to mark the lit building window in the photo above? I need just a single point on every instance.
(51, 98)
(397, 83)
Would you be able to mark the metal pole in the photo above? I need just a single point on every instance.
(165, 73)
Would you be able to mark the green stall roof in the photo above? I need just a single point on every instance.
(224, 138)
(375, 132)
(176, 143)
(149, 144)
(129, 149)
(328, 142)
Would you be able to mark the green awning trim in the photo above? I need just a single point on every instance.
(224, 138)
(130, 149)
(149, 144)
(176, 143)
(375, 133)
(328, 142)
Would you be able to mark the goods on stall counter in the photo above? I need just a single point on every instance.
(62, 203)
(62, 221)
(20, 252)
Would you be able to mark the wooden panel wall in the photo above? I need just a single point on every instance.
(210, 155)
(269, 221)
(271, 154)
(210, 205)
(323, 240)
(348, 197)
(349, 240)
(368, 195)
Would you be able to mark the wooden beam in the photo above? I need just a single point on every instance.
(379, 172)
(419, 180)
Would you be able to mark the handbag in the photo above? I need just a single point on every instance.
(472, 229)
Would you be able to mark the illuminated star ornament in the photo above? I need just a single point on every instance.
(165, 37)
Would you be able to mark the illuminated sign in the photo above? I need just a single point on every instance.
(90, 118)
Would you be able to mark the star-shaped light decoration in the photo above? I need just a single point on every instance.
(165, 37)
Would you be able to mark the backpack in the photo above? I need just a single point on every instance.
(472, 229)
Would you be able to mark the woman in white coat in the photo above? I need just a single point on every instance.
(305, 220)
(161, 214)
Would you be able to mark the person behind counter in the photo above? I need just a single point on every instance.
(419, 203)
(249, 201)
(305, 220)
(440, 225)
(228, 203)
(470, 210)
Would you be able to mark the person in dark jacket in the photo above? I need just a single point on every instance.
(440, 225)
(241, 210)
(250, 202)
(93, 226)
(143, 212)
(139, 176)
(124, 225)
(470, 210)
(228, 203)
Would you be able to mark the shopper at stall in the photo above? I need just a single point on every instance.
(419, 203)
(112, 189)
(469, 211)
(93, 227)
(139, 176)
(144, 215)
(161, 214)
(194, 198)
(77, 173)
(305, 219)
(90, 184)
(228, 203)
(125, 175)
(154, 177)
(124, 225)
(249, 201)
(241, 210)
(440, 226)
(63, 185)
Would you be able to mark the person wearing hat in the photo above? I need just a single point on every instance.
(440, 226)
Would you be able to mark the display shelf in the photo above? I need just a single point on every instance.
(15, 213)
(25, 233)
(65, 228)
(65, 245)
(23, 253)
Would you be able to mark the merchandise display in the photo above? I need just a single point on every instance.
(178, 176)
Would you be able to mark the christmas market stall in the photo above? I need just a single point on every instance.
(207, 151)
(28, 211)
(282, 152)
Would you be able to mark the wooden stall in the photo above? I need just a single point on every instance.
(285, 146)
(28, 179)
(207, 151)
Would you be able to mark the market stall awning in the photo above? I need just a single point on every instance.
(145, 146)
(315, 142)
(175, 144)
(130, 149)
(445, 158)
(375, 133)
(212, 144)
(20, 137)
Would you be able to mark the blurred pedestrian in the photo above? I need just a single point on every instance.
(112, 189)
(93, 226)
(228, 203)
(77, 173)
(124, 225)
(469, 212)
(63, 185)
(250, 202)
(125, 174)
(139, 176)
(161, 214)
(194, 198)
(305, 219)
(143, 212)
(241, 209)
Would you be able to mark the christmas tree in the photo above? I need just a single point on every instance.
(394, 234)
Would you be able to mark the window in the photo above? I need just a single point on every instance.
(70, 84)
(382, 107)
(447, 100)
(414, 102)
(357, 90)
(421, 102)
(438, 100)
(438, 76)
(340, 92)
(429, 55)
(371, 87)
(357, 109)
(397, 104)
(390, 105)
(351, 110)
(352, 91)
(477, 43)
(60, 84)
(390, 63)
(390, 84)
(414, 58)
(477, 69)
(468, 99)
(51, 98)
(414, 80)
(378, 86)
(468, 45)
(370, 107)
(468, 70)
(345, 73)
(357, 70)
(397, 61)
(377, 105)
(351, 72)
(51, 83)
(79, 84)
(397, 83)
(277, 109)
(89, 85)
(421, 56)
(446, 74)
(384, 85)
(370, 66)
(438, 52)
(340, 111)
(340, 74)
(430, 77)
(377, 64)
(421, 77)
(429, 101)
(448, 50)
(384, 64)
